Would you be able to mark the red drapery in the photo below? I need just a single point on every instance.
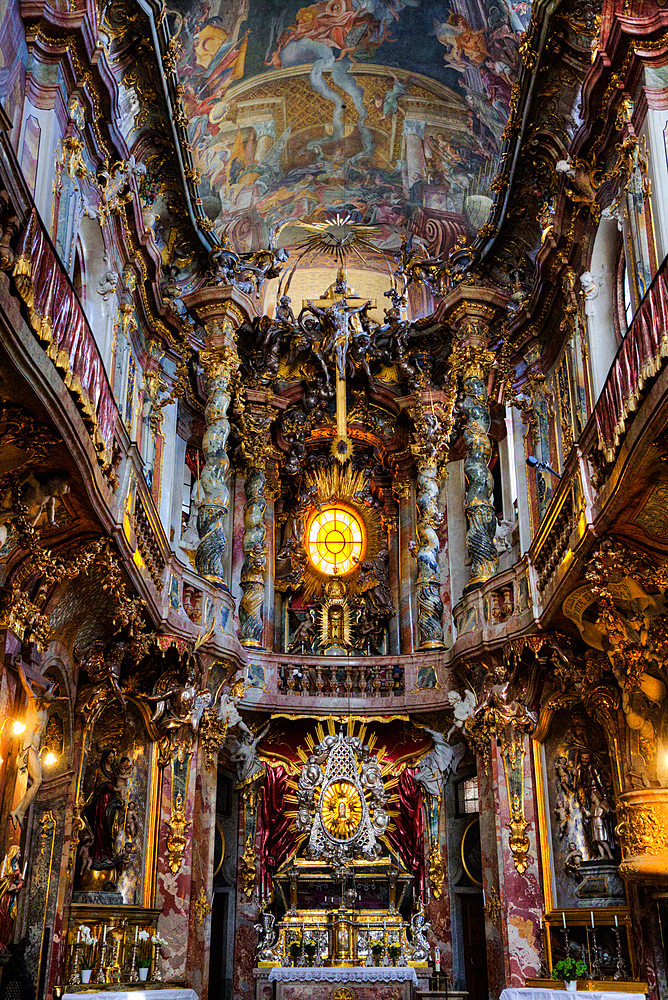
(408, 837)
(277, 832)
(57, 318)
(641, 355)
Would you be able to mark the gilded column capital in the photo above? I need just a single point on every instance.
(472, 361)
(220, 362)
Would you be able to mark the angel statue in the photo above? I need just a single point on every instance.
(244, 754)
(304, 632)
(267, 938)
(462, 709)
(419, 927)
(228, 711)
(177, 704)
(434, 769)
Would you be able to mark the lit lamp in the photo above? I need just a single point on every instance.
(50, 759)
(18, 728)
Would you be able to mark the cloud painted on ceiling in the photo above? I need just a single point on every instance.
(390, 111)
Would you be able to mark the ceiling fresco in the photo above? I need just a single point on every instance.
(392, 112)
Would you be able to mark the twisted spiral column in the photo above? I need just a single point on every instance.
(255, 559)
(219, 364)
(474, 363)
(430, 605)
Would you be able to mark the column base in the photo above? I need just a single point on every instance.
(251, 644)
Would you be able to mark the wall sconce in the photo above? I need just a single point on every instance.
(533, 463)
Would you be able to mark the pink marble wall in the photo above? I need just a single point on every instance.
(204, 827)
(173, 890)
(247, 915)
(513, 941)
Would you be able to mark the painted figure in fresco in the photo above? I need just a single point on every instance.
(11, 884)
(465, 46)
(35, 720)
(38, 494)
(304, 633)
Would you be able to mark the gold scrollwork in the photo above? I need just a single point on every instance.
(176, 841)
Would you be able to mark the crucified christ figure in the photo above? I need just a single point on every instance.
(29, 760)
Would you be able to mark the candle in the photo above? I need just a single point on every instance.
(78, 935)
(104, 936)
(592, 918)
(563, 917)
(4, 865)
(24, 871)
(438, 959)
(483, 899)
(136, 932)
(616, 921)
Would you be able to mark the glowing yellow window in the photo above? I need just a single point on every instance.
(335, 541)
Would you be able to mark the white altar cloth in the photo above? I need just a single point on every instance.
(537, 993)
(167, 994)
(344, 974)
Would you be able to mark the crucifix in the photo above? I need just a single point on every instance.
(338, 318)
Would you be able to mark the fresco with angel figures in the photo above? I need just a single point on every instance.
(393, 112)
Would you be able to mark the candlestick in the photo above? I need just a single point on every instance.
(620, 968)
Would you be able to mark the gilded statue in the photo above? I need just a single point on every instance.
(11, 883)
(35, 720)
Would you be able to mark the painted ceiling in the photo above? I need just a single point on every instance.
(392, 112)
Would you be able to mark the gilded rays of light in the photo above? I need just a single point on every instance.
(335, 541)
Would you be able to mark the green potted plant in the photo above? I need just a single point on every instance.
(376, 950)
(570, 970)
(310, 948)
(295, 950)
(144, 954)
(394, 951)
(86, 942)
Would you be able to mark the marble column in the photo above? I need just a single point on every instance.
(221, 309)
(430, 605)
(219, 364)
(251, 607)
(469, 310)
(479, 500)
(403, 491)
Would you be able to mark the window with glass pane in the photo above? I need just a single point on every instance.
(467, 796)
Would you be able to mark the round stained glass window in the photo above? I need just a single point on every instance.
(335, 541)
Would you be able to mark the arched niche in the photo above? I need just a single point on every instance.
(599, 285)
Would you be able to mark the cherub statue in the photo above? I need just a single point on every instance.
(35, 719)
(562, 813)
(462, 709)
(573, 861)
(103, 671)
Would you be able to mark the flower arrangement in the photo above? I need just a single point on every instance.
(394, 951)
(149, 190)
(144, 949)
(568, 969)
(159, 941)
(87, 942)
(310, 948)
(376, 946)
(295, 949)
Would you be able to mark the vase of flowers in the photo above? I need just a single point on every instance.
(570, 970)
(149, 191)
(310, 948)
(144, 954)
(394, 951)
(295, 950)
(86, 943)
(376, 950)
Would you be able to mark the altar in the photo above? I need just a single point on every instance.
(344, 983)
